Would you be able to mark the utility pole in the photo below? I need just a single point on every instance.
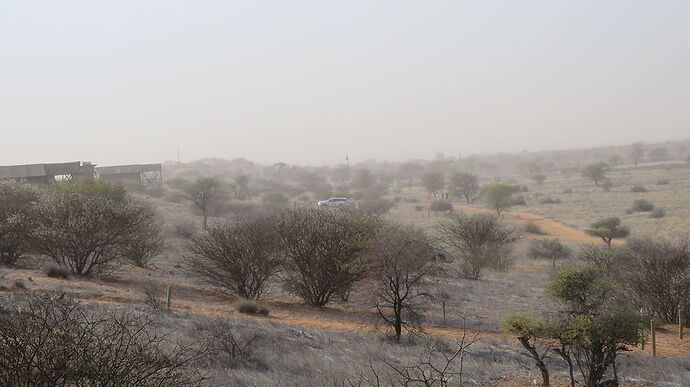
(178, 154)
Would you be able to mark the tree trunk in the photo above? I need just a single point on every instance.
(538, 360)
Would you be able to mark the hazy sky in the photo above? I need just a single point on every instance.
(311, 81)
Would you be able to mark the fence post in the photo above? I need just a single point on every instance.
(651, 326)
(168, 296)
(680, 323)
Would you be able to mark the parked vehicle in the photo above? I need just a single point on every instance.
(334, 202)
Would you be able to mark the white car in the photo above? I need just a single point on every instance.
(334, 202)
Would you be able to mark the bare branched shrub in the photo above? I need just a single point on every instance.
(322, 250)
(239, 257)
(533, 228)
(229, 347)
(87, 234)
(16, 200)
(147, 242)
(435, 368)
(655, 275)
(481, 240)
(56, 341)
(400, 261)
(185, 230)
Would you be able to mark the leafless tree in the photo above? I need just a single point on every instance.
(238, 257)
(481, 240)
(322, 250)
(201, 193)
(400, 261)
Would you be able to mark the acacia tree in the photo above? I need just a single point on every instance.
(551, 249)
(322, 250)
(596, 172)
(481, 240)
(399, 262)
(596, 328)
(608, 229)
(533, 335)
(16, 200)
(463, 184)
(498, 196)
(239, 258)
(201, 193)
(88, 234)
(433, 182)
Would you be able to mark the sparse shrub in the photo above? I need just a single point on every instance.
(251, 307)
(657, 213)
(662, 182)
(551, 249)
(411, 200)
(16, 201)
(642, 205)
(321, 251)
(550, 200)
(56, 271)
(567, 191)
(419, 208)
(229, 347)
(519, 201)
(87, 234)
(638, 188)
(185, 230)
(376, 206)
(654, 273)
(533, 228)
(275, 200)
(147, 243)
(481, 240)
(440, 206)
(238, 258)
(19, 284)
(46, 341)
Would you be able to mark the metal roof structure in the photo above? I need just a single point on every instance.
(126, 169)
(39, 170)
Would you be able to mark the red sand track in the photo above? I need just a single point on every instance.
(553, 228)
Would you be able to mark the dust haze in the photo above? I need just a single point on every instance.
(311, 82)
(344, 193)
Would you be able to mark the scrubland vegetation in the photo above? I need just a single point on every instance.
(267, 289)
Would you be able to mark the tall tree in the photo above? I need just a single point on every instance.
(433, 182)
(463, 184)
(399, 263)
(596, 172)
(498, 196)
(201, 193)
